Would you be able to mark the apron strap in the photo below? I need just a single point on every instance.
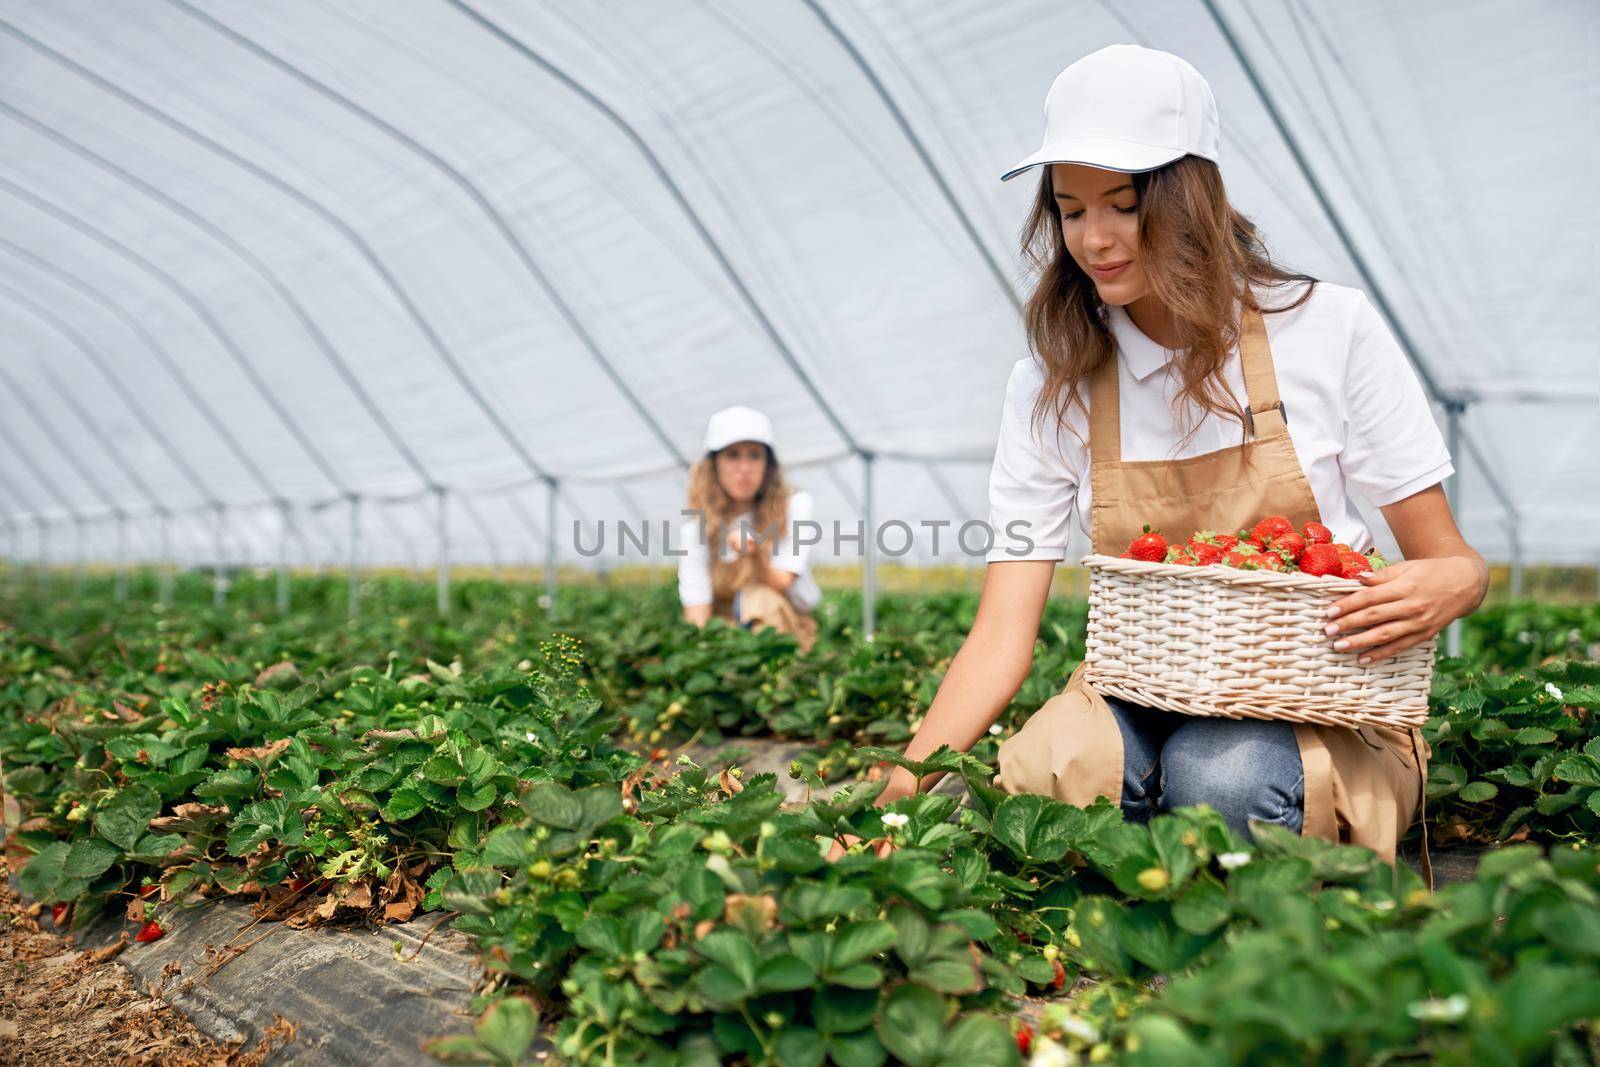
(1260, 379)
(1422, 809)
(1105, 414)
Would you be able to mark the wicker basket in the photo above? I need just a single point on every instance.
(1240, 644)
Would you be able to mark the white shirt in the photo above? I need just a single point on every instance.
(694, 567)
(1357, 415)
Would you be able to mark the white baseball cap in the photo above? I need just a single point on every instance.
(1126, 108)
(738, 423)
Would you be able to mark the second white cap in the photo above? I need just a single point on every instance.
(738, 423)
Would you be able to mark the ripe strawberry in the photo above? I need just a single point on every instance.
(1205, 554)
(1268, 528)
(1149, 546)
(59, 913)
(1354, 565)
(149, 890)
(1024, 1039)
(1270, 561)
(1060, 978)
(1182, 555)
(1289, 546)
(1318, 534)
(1226, 541)
(1320, 560)
(149, 931)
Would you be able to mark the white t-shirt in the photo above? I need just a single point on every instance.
(1357, 415)
(694, 567)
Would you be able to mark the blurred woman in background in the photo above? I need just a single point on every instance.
(759, 576)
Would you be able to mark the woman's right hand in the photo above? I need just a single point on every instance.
(986, 673)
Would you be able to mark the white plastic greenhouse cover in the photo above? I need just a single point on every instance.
(260, 260)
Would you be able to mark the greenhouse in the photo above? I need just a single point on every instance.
(371, 366)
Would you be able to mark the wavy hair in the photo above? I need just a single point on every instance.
(1198, 254)
(769, 514)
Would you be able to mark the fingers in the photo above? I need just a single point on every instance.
(1370, 616)
(1368, 596)
(1407, 632)
(1392, 648)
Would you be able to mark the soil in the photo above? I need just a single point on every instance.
(60, 1004)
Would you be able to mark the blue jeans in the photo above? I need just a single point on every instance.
(1247, 769)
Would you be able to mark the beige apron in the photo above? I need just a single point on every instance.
(759, 603)
(1363, 785)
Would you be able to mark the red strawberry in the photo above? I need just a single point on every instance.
(1024, 1039)
(1320, 560)
(1226, 541)
(1269, 561)
(1205, 554)
(149, 890)
(1270, 527)
(1242, 560)
(1289, 545)
(1060, 978)
(1354, 565)
(59, 913)
(1318, 534)
(1182, 555)
(1149, 546)
(149, 931)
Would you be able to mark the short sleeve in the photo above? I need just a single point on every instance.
(1032, 489)
(694, 567)
(1393, 448)
(792, 553)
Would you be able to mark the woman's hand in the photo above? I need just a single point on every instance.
(1442, 579)
(1404, 605)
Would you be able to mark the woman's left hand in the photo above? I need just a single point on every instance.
(1403, 605)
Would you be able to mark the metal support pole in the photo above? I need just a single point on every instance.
(869, 573)
(77, 552)
(1454, 409)
(41, 572)
(169, 563)
(218, 594)
(121, 583)
(355, 556)
(550, 489)
(282, 597)
(1515, 527)
(442, 575)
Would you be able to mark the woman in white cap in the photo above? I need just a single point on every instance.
(761, 574)
(1179, 378)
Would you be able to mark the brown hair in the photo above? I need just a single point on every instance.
(769, 514)
(1197, 253)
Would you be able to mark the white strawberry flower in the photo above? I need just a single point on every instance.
(1554, 690)
(1048, 1052)
(1233, 860)
(894, 820)
(1079, 1027)
(996, 730)
(1434, 1010)
(529, 735)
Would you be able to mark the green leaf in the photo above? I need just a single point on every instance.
(476, 799)
(403, 804)
(856, 1050)
(1579, 769)
(506, 846)
(90, 857)
(1477, 792)
(1034, 828)
(553, 804)
(45, 871)
(859, 941)
(979, 1041)
(837, 1010)
(785, 974)
(124, 818)
(442, 768)
(800, 1046)
(956, 975)
(507, 1029)
(912, 1024)
(1202, 908)
(1535, 735)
